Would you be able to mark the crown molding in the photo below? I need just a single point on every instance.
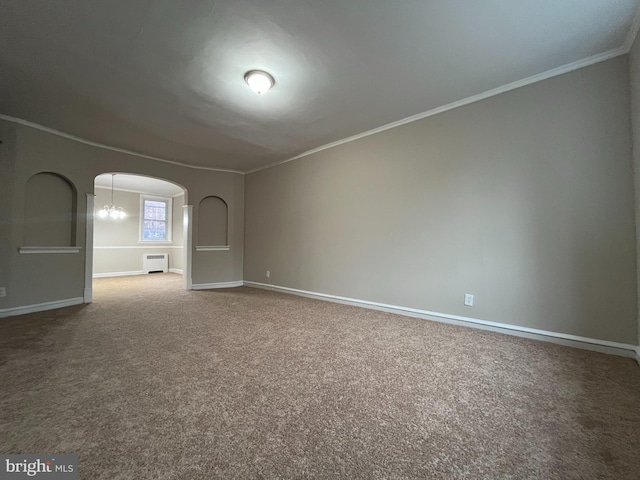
(570, 67)
(554, 72)
(68, 136)
(632, 33)
(128, 190)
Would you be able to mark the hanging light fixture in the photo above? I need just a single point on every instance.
(259, 81)
(111, 211)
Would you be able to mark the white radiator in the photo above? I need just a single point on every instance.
(155, 262)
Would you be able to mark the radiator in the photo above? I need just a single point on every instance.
(155, 262)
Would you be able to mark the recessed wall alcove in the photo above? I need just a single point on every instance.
(50, 215)
(213, 224)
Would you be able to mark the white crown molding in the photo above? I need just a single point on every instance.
(570, 67)
(604, 346)
(40, 307)
(128, 190)
(68, 136)
(209, 286)
(554, 72)
(633, 32)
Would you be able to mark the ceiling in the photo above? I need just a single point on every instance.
(165, 77)
(139, 183)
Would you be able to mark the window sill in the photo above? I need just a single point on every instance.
(29, 250)
(212, 248)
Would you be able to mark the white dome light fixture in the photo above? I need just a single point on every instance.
(259, 81)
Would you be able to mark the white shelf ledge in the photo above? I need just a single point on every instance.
(211, 248)
(25, 250)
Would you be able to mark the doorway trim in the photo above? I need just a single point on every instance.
(88, 259)
(187, 225)
(187, 230)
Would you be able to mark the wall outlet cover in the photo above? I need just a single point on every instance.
(468, 300)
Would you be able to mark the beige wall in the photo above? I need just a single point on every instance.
(34, 279)
(221, 263)
(110, 233)
(634, 64)
(524, 200)
(7, 171)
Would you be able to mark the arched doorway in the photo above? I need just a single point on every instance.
(154, 228)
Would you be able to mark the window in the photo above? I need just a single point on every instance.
(155, 219)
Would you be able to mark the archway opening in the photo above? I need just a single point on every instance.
(138, 228)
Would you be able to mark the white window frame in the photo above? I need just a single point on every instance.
(169, 202)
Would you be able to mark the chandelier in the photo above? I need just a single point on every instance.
(111, 211)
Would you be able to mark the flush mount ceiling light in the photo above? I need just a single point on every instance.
(259, 81)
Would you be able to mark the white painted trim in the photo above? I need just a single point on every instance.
(209, 286)
(40, 307)
(633, 32)
(187, 236)
(211, 248)
(586, 62)
(118, 274)
(143, 247)
(554, 72)
(127, 190)
(53, 131)
(604, 346)
(30, 250)
(638, 355)
(137, 272)
(88, 259)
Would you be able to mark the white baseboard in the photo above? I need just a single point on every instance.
(40, 307)
(604, 346)
(117, 274)
(176, 270)
(208, 286)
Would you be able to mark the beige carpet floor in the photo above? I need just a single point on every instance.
(152, 382)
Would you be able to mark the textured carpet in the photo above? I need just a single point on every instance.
(152, 382)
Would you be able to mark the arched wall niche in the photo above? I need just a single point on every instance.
(213, 222)
(50, 217)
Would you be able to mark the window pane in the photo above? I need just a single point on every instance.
(154, 230)
(154, 210)
(156, 215)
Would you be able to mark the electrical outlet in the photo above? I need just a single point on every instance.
(268, 273)
(468, 300)
(3, 292)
